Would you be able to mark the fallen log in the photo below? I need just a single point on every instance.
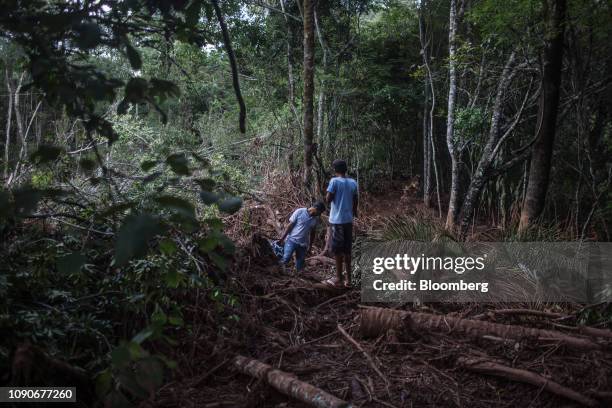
(325, 260)
(528, 312)
(492, 368)
(376, 321)
(288, 384)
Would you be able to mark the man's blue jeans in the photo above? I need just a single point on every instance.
(300, 254)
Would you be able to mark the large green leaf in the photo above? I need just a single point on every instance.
(177, 204)
(71, 263)
(26, 200)
(133, 56)
(150, 374)
(230, 205)
(46, 153)
(209, 197)
(179, 163)
(133, 237)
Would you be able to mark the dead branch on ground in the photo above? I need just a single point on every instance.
(288, 384)
(492, 368)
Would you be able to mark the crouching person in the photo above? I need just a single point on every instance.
(299, 234)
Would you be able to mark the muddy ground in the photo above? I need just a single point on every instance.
(291, 323)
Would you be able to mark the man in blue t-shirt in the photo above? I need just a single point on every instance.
(299, 234)
(343, 198)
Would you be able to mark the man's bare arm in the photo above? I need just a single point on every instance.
(287, 230)
(329, 197)
(312, 238)
(355, 205)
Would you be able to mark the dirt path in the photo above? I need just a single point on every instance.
(290, 324)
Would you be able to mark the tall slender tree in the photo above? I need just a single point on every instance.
(541, 156)
(308, 110)
(453, 203)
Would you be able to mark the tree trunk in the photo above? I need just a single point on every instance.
(426, 151)
(481, 175)
(308, 110)
(9, 117)
(234, 66)
(429, 145)
(290, 85)
(453, 204)
(288, 384)
(321, 102)
(541, 156)
(376, 321)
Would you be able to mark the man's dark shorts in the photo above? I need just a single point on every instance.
(342, 238)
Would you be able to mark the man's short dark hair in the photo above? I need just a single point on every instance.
(339, 166)
(319, 206)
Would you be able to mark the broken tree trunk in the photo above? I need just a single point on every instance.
(376, 321)
(288, 384)
(492, 368)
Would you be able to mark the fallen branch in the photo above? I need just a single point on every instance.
(528, 312)
(587, 331)
(491, 368)
(288, 384)
(367, 356)
(321, 259)
(376, 321)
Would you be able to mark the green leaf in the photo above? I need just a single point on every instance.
(133, 56)
(208, 244)
(136, 350)
(179, 163)
(227, 244)
(89, 35)
(219, 261)
(171, 364)
(46, 153)
(173, 278)
(164, 88)
(230, 205)
(116, 399)
(136, 90)
(129, 381)
(152, 177)
(177, 204)
(206, 184)
(143, 335)
(150, 374)
(87, 164)
(148, 165)
(192, 12)
(159, 318)
(123, 106)
(133, 237)
(120, 356)
(71, 263)
(209, 197)
(176, 320)
(26, 200)
(104, 381)
(215, 224)
(167, 247)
